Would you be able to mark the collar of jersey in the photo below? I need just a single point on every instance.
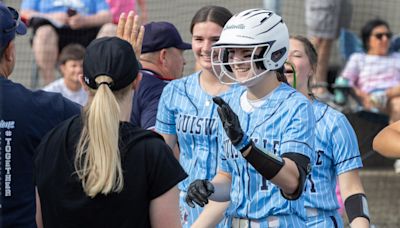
(156, 75)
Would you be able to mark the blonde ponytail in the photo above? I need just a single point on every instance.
(97, 160)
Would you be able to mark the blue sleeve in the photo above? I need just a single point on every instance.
(165, 122)
(222, 160)
(30, 5)
(298, 136)
(101, 5)
(345, 146)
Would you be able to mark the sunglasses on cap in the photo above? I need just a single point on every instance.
(16, 17)
(380, 35)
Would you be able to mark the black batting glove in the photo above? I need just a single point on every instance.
(231, 124)
(198, 192)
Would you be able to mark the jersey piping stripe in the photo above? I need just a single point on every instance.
(297, 142)
(347, 160)
(323, 114)
(270, 116)
(188, 97)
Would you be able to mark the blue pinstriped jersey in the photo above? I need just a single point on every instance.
(336, 152)
(186, 110)
(284, 123)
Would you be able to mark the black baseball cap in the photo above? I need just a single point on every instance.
(113, 57)
(159, 35)
(10, 24)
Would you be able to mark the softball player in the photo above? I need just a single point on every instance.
(336, 149)
(186, 113)
(267, 145)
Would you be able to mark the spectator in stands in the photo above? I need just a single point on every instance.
(70, 64)
(375, 74)
(25, 117)
(58, 23)
(162, 60)
(120, 6)
(324, 18)
(387, 141)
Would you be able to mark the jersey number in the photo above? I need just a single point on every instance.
(312, 187)
(317, 163)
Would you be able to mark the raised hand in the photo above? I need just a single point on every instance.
(231, 124)
(130, 29)
(198, 192)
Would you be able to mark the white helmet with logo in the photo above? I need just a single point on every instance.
(260, 30)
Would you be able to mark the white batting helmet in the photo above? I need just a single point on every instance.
(262, 31)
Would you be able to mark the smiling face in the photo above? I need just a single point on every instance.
(379, 40)
(71, 71)
(298, 59)
(174, 63)
(205, 34)
(240, 62)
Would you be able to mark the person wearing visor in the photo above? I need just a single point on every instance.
(25, 117)
(266, 134)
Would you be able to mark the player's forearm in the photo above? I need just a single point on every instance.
(350, 184)
(218, 202)
(283, 172)
(212, 215)
(288, 177)
(222, 185)
(387, 141)
(356, 207)
(360, 222)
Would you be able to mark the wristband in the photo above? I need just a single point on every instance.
(243, 144)
(356, 206)
(266, 163)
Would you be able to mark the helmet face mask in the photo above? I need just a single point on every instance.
(238, 64)
(263, 38)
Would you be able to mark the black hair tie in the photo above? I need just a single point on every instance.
(106, 83)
